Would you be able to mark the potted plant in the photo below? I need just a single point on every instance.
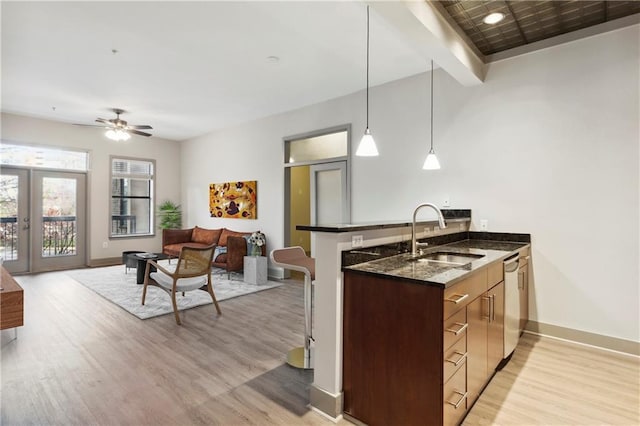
(170, 215)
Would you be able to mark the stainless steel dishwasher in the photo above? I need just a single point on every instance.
(511, 304)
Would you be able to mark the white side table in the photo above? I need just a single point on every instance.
(255, 270)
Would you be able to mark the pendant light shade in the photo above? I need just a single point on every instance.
(431, 162)
(367, 147)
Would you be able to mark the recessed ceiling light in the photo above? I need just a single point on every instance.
(493, 18)
(273, 59)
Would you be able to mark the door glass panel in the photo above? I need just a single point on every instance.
(9, 217)
(59, 221)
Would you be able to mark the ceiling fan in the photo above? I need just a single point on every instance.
(118, 129)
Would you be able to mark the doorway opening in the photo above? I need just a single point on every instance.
(317, 182)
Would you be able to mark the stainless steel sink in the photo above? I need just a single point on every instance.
(449, 257)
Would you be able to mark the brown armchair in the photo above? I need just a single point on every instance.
(233, 259)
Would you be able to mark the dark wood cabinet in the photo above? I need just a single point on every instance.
(477, 346)
(392, 364)
(417, 354)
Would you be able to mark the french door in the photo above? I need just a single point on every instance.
(43, 220)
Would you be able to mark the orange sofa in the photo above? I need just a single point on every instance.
(236, 245)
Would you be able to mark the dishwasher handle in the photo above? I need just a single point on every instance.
(512, 263)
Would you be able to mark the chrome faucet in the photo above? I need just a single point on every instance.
(414, 243)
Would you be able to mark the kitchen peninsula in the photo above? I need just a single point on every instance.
(377, 272)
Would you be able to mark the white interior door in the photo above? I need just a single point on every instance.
(329, 194)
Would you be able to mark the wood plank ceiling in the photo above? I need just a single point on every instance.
(530, 21)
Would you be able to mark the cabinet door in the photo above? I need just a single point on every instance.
(477, 315)
(523, 290)
(495, 333)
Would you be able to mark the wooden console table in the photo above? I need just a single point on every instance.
(11, 302)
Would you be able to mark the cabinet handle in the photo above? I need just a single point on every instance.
(488, 316)
(463, 356)
(460, 298)
(462, 328)
(521, 280)
(493, 307)
(463, 396)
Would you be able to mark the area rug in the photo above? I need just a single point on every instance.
(113, 284)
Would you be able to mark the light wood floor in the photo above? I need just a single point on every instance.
(553, 382)
(82, 360)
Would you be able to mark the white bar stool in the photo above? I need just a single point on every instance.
(295, 259)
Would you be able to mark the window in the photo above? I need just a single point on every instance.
(131, 197)
(321, 147)
(43, 157)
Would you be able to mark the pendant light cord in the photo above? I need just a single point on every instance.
(367, 66)
(431, 106)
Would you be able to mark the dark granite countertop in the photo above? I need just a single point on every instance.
(450, 215)
(440, 274)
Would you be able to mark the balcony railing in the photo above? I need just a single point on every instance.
(9, 238)
(58, 236)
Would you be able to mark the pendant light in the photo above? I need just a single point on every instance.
(367, 147)
(431, 163)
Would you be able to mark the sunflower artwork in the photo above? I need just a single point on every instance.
(237, 200)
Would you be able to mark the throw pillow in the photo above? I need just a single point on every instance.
(218, 251)
(205, 236)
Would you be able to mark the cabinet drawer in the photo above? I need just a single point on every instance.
(454, 358)
(459, 295)
(455, 397)
(455, 328)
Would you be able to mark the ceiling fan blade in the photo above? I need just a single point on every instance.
(103, 121)
(88, 125)
(137, 132)
(143, 126)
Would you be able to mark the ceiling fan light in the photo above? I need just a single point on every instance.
(117, 135)
(431, 162)
(367, 147)
(124, 135)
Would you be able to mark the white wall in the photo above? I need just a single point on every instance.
(548, 145)
(27, 130)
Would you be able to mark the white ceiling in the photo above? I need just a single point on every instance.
(189, 68)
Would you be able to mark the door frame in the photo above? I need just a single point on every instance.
(287, 170)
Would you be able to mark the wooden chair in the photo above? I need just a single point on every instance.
(192, 272)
